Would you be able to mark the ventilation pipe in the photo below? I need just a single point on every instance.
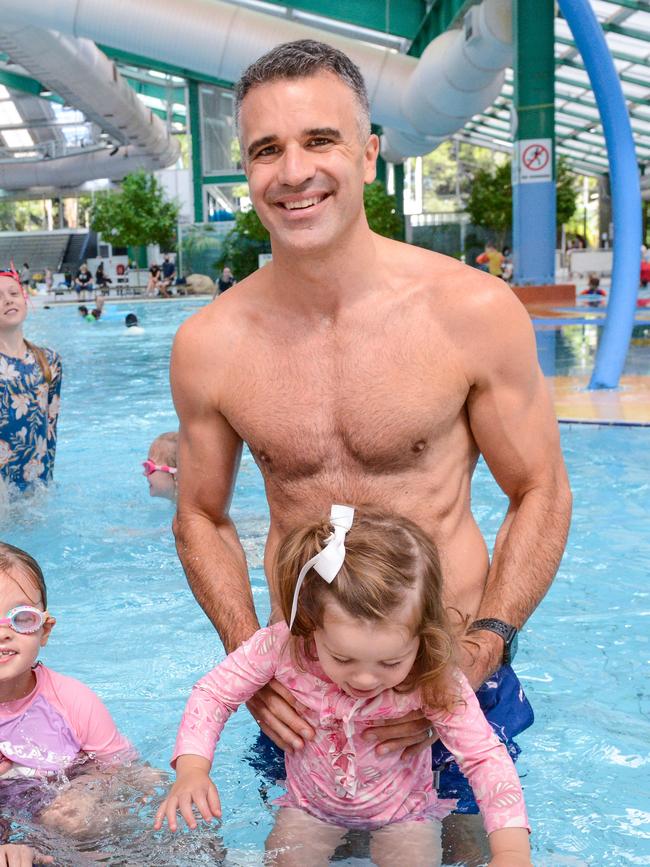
(417, 102)
(86, 79)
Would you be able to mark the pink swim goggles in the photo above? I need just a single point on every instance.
(150, 467)
(24, 619)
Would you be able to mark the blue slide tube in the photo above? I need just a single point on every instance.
(625, 187)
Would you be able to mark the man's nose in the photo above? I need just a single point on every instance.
(296, 167)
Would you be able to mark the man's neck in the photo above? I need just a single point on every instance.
(322, 282)
(13, 343)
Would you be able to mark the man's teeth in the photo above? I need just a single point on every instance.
(304, 203)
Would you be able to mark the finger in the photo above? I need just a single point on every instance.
(414, 729)
(201, 802)
(214, 801)
(39, 858)
(416, 749)
(274, 707)
(398, 744)
(185, 808)
(160, 815)
(170, 813)
(281, 736)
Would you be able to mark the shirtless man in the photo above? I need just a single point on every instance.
(364, 371)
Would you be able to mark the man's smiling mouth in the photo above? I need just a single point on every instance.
(302, 204)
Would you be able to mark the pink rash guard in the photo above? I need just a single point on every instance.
(45, 732)
(337, 776)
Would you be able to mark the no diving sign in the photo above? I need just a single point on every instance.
(534, 160)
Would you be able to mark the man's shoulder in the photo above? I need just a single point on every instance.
(224, 317)
(450, 284)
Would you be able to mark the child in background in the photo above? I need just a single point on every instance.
(367, 639)
(160, 467)
(30, 388)
(132, 324)
(50, 724)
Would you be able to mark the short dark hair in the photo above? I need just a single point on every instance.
(301, 59)
(130, 319)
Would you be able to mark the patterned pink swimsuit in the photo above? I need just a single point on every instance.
(337, 776)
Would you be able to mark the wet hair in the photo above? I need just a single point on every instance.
(387, 557)
(15, 558)
(301, 59)
(130, 319)
(165, 446)
(41, 360)
(83, 309)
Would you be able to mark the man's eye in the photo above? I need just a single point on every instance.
(318, 142)
(267, 151)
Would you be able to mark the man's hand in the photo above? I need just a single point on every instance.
(22, 856)
(278, 714)
(409, 735)
(480, 654)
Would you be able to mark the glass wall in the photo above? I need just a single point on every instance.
(220, 148)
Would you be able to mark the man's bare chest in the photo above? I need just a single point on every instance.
(374, 407)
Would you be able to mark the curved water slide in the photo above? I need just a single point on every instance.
(419, 102)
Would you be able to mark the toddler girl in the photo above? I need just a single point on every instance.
(48, 722)
(368, 639)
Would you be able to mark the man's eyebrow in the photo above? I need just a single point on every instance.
(328, 131)
(260, 142)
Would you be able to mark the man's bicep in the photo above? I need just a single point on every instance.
(511, 413)
(209, 450)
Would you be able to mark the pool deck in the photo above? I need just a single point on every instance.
(574, 402)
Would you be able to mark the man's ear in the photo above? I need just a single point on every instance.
(48, 626)
(370, 155)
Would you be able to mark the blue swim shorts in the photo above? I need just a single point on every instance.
(505, 706)
(509, 713)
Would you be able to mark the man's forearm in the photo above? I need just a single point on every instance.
(526, 557)
(215, 566)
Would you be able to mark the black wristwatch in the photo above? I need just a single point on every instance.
(505, 630)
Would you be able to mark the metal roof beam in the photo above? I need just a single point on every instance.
(617, 55)
(624, 76)
(440, 17)
(138, 60)
(634, 5)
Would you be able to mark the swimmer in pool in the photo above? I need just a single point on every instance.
(160, 466)
(50, 724)
(132, 325)
(368, 640)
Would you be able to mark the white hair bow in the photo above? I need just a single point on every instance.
(327, 562)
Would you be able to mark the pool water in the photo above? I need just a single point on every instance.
(128, 625)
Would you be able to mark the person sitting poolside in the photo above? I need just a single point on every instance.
(160, 468)
(132, 324)
(83, 282)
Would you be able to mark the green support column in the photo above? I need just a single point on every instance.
(533, 161)
(197, 160)
(399, 194)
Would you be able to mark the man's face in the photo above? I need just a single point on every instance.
(305, 160)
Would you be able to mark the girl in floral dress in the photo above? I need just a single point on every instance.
(365, 639)
(30, 386)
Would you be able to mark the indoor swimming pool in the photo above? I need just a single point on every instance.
(128, 625)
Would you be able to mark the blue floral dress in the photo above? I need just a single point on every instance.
(29, 408)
